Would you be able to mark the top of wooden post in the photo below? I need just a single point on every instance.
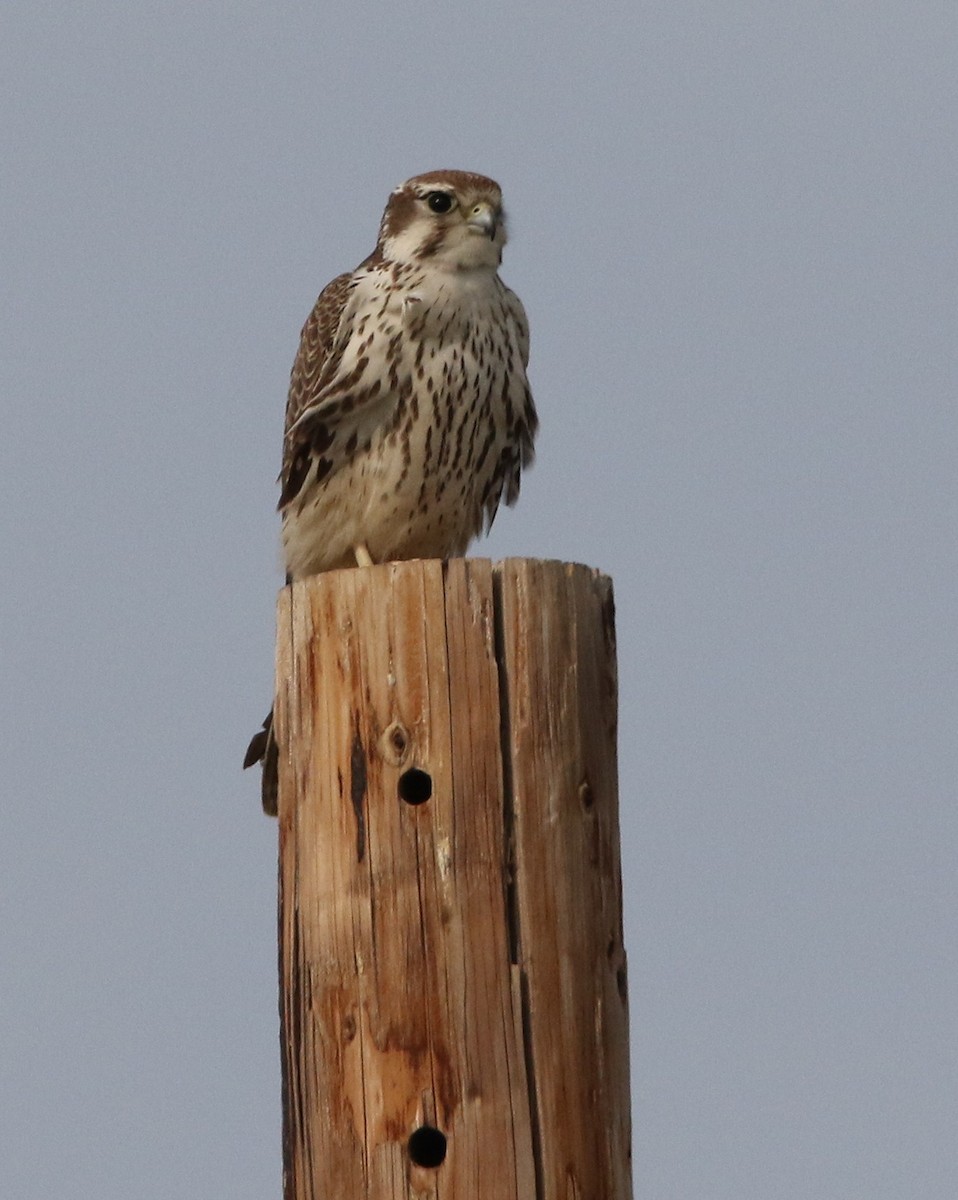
(453, 975)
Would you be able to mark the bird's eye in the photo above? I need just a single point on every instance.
(439, 202)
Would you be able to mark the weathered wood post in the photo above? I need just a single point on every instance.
(453, 993)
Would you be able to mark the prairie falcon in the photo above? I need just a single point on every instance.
(409, 415)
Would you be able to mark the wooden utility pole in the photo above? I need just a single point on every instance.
(453, 987)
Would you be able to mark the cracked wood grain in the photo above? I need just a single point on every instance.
(452, 974)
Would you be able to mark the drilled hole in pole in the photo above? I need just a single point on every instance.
(427, 1147)
(415, 786)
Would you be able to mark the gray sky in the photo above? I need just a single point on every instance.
(733, 227)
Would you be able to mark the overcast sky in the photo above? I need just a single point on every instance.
(733, 228)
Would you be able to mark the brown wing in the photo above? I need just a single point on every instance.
(344, 381)
(316, 360)
(520, 451)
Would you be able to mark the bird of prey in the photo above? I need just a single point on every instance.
(409, 415)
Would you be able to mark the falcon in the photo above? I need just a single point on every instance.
(409, 417)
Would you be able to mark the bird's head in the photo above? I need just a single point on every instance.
(449, 219)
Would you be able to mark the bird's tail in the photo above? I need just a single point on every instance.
(263, 749)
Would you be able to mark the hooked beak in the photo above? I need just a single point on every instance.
(484, 218)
